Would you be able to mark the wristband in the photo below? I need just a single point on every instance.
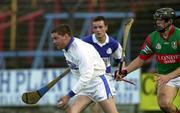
(71, 94)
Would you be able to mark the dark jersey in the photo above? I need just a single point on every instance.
(167, 51)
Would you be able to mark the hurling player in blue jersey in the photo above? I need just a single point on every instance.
(107, 47)
(85, 63)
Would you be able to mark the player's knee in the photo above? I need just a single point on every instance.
(95, 108)
(165, 105)
(71, 110)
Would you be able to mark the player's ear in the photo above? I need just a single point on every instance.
(66, 36)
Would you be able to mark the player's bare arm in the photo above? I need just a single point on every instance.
(135, 64)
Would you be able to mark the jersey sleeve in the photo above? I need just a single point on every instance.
(117, 54)
(87, 39)
(146, 50)
(86, 69)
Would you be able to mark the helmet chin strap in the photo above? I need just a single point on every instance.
(162, 30)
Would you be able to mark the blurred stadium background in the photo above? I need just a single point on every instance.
(28, 59)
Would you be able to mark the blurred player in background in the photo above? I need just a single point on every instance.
(165, 44)
(86, 63)
(107, 47)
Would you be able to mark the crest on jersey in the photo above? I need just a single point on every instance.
(174, 45)
(109, 51)
(158, 46)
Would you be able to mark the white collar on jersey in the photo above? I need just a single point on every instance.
(100, 44)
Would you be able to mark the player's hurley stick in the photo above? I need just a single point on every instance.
(124, 42)
(34, 96)
(128, 81)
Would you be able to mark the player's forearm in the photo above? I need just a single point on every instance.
(135, 64)
(175, 73)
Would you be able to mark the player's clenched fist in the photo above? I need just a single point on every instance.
(63, 102)
(119, 75)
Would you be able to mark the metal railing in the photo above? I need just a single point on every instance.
(39, 54)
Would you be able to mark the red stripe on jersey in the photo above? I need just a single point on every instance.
(168, 58)
(144, 57)
(170, 32)
(147, 42)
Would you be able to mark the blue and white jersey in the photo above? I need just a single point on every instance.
(84, 62)
(110, 48)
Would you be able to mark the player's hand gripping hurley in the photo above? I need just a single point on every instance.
(34, 96)
(124, 42)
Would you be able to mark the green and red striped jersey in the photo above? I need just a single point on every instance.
(167, 51)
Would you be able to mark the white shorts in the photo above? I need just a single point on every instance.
(174, 82)
(98, 89)
(112, 83)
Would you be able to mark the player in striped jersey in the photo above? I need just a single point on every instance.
(165, 44)
(107, 47)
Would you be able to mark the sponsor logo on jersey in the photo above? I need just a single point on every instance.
(168, 58)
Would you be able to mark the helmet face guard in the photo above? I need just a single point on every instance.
(164, 14)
